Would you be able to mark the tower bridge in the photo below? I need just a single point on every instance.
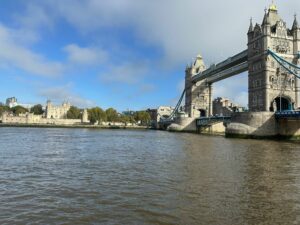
(271, 86)
(271, 60)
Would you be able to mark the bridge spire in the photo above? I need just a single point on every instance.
(295, 24)
(250, 26)
(266, 19)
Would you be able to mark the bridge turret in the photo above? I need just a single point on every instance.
(198, 98)
(296, 36)
(250, 30)
(267, 82)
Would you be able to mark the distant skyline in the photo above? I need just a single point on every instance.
(126, 54)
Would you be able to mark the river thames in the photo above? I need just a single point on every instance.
(82, 176)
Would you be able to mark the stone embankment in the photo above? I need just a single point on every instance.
(74, 126)
(263, 125)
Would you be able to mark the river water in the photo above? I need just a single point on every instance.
(82, 176)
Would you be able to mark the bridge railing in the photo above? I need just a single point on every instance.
(287, 114)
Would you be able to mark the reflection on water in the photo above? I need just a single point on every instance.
(81, 176)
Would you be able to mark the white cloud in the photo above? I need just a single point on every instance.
(126, 73)
(234, 88)
(15, 54)
(181, 28)
(180, 85)
(59, 94)
(85, 55)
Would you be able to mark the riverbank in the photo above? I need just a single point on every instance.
(75, 126)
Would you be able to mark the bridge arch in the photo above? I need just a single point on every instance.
(203, 112)
(281, 103)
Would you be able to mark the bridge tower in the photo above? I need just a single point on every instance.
(271, 88)
(198, 96)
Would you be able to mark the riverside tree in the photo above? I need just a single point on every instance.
(37, 109)
(4, 108)
(97, 114)
(142, 116)
(112, 115)
(17, 110)
(74, 113)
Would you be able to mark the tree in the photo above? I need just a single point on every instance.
(37, 109)
(74, 113)
(4, 108)
(19, 110)
(142, 116)
(96, 114)
(112, 115)
(124, 118)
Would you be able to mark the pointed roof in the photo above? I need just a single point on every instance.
(273, 7)
(250, 26)
(271, 16)
(199, 56)
(266, 20)
(295, 24)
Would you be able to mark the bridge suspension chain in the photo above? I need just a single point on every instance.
(175, 109)
(290, 67)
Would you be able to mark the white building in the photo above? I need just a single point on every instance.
(57, 112)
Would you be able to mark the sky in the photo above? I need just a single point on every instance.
(126, 54)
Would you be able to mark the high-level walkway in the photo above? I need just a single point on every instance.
(229, 67)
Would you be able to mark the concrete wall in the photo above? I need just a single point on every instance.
(261, 124)
(217, 128)
(186, 124)
(289, 127)
(36, 119)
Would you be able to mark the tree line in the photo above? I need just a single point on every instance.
(99, 115)
(95, 114)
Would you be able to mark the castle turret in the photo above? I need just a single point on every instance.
(85, 116)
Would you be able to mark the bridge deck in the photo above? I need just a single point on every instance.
(229, 67)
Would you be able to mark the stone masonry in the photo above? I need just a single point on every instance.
(271, 88)
(198, 96)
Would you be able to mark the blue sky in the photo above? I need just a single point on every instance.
(126, 54)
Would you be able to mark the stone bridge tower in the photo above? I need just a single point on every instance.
(198, 98)
(271, 88)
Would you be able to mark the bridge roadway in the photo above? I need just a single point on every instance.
(230, 67)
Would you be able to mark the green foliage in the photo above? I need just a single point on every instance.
(126, 119)
(74, 113)
(142, 116)
(97, 114)
(37, 109)
(4, 108)
(112, 115)
(19, 110)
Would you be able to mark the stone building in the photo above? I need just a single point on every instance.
(30, 118)
(271, 87)
(157, 114)
(224, 107)
(198, 96)
(57, 112)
